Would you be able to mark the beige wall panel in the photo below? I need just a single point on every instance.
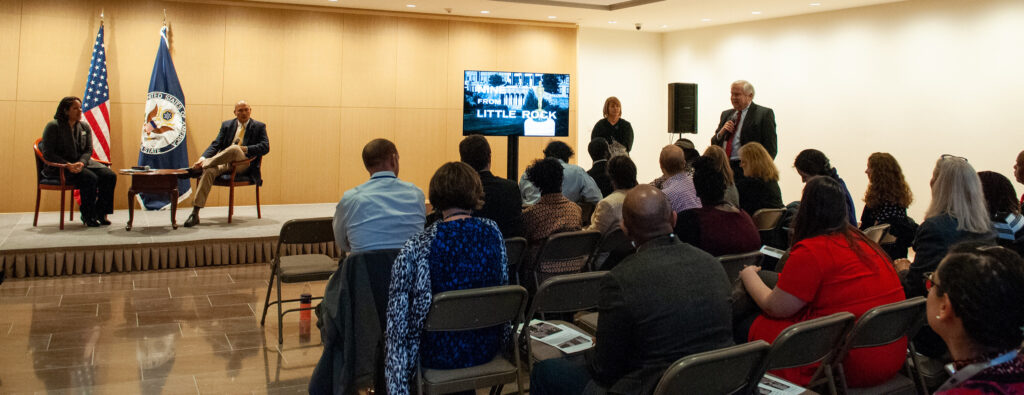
(55, 44)
(16, 156)
(10, 30)
(196, 37)
(369, 61)
(297, 65)
(420, 137)
(471, 46)
(29, 122)
(422, 60)
(307, 147)
(358, 127)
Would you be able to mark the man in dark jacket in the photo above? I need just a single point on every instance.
(599, 153)
(502, 202)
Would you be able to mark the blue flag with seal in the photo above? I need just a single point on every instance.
(163, 134)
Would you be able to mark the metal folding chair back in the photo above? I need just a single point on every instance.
(515, 248)
(768, 218)
(563, 253)
(807, 342)
(470, 309)
(565, 293)
(877, 232)
(723, 371)
(734, 263)
(880, 326)
(613, 242)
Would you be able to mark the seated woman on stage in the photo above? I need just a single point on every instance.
(759, 186)
(974, 305)
(810, 163)
(458, 252)
(832, 267)
(67, 140)
(1001, 201)
(886, 202)
(719, 227)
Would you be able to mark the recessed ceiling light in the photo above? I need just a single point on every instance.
(814, 4)
(706, 20)
(664, 26)
(552, 17)
(756, 12)
(611, 21)
(485, 12)
(333, 1)
(411, 5)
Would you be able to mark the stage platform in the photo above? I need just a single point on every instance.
(45, 250)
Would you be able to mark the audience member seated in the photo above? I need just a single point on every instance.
(810, 163)
(832, 267)
(974, 305)
(689, 153)
(599, 153)
(677, 184)
(886, 202)
(719, 227)
(1018, 173)
(666, 301)
(553, 212)
(458, 252)
(759, 186)
(577, 185)
(1003, 209)
(383, 212)
(608, 212)
(502, 202)
(721, 162)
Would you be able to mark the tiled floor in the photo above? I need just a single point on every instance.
(160, 332)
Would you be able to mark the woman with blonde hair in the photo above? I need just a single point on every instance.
(759, 186)
(956, 213)
(886, 202)
(616, 131)
(720, 163)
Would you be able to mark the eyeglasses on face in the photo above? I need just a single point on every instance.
(929, 281)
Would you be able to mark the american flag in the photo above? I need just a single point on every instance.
(96, 102)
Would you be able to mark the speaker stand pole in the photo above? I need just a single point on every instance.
(513, 159)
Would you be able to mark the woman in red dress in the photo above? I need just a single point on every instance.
(832, 267)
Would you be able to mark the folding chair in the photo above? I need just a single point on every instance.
(734, 263)
(564, 253)
(470, 309)
(565, 293)
(723, 371)
(299, 268)
(877, 232)
(767, 218)
(610, 250)
(805, 343)
(877, 327)
(515, 248)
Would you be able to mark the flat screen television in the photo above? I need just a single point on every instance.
(502, 103)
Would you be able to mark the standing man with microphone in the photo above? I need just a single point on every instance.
(746, 122)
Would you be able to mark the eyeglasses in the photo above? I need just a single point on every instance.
(929, 281)
(949, 156)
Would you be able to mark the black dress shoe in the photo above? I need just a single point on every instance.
(103, 221)
(191, 173)
(193, 220)
(90, 222)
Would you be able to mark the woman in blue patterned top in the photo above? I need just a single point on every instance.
(459, 252)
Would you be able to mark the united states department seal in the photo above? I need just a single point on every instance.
(164, 128)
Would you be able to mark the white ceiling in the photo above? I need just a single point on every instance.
(661, 16)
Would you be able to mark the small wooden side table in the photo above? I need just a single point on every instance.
(158, 181)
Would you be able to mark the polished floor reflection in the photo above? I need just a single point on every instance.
(159, 332)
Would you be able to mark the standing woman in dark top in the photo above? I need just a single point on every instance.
(810, 163)
(613, 128)
(68, 141)
(458, 252)
(759, 186)
(886, 202)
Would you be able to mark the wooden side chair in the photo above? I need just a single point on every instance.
(53, 184)
(235, 178)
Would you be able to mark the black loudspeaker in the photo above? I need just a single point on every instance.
(682, 108)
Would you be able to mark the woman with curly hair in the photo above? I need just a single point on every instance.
(886, 202)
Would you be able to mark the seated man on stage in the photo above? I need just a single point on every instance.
(239, 139)
(382, 213)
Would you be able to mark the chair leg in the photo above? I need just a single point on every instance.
(35, 220)
(280, 315)
(270, 286)
(258, 213)
(231, 203)
(71, 207)
(61, 209)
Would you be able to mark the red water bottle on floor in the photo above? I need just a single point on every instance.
(305, 300)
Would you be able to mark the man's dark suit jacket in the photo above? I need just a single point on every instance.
(599, 172)
(502, 204)
(64, 144)
(758, 127)
(666, 301)
(255, 142)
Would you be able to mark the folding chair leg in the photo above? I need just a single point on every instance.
(280, 315)
(35, 220)
(270, 286)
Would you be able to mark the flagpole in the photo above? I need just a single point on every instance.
(165, 17)
(101, 16)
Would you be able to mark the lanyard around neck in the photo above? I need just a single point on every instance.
(973, 369)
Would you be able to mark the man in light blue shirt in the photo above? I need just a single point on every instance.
(577, 185)
(383, 212)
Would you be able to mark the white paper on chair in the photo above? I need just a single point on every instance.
(776, 386)
(562, 337)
